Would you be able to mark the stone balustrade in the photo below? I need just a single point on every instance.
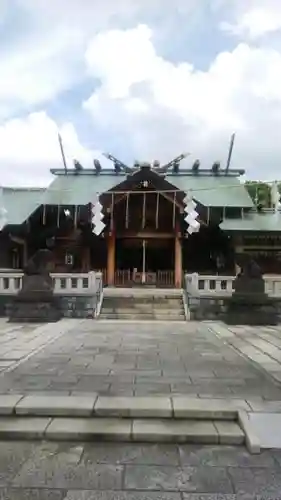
(80, 294)
(64, 283)
(206, 296)
(208, 285)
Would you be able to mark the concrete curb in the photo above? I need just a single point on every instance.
(252, 441)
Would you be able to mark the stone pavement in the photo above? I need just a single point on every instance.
(76, 357)
(262, 345)
(99, 471)
(20, 341)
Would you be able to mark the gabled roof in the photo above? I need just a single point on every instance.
(208, 189)
(214, 190)
(20, 203)
(79, 188)
(267, 221)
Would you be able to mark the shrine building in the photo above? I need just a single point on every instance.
(145, 240)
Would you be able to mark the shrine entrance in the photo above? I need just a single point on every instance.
(144, 262)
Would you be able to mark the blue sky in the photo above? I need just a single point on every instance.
(140, 81)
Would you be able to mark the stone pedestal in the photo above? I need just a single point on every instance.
(35, 301)
(249, 304)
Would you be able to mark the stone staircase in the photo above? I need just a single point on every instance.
(135, 304)
(154, 419)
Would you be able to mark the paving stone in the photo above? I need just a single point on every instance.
(119, 390)
(106, 348)
(57, 405)
(190, 407)
(46, 393)
(223, 456)
(152, 388)
(49, 475)
(210, 496)
(65, 452)
(260, 405)
(192, 479)
(122, 495)
(265, 483)
(213, 391)
(267, 428)
(131, 453)
(8, 403)
(229, 433)
(85, 428)
(90, 384)
(140, 407)
(34, 494)
(12, 457)
(180, 431)
(23, 428)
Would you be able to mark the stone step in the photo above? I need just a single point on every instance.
(137, 305)
(91, 404)
(165, 308)
(142, 292)
(143, 300)
(177, 419)
(122, 430)
(145, 430)
(143, 316)
(136, 310)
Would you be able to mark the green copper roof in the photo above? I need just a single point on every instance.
(20, 203)
(210, 190)
(79, 189)
(214, 191)
(267, 221)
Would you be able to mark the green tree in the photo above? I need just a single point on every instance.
(260, 192)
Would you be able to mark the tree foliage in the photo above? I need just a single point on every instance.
(260, 192)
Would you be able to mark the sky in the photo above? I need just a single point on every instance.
(140, 79)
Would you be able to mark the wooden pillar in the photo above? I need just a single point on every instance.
(110, 259)
(24, 254)
(238, 249)
(86, 259)
(178, 262)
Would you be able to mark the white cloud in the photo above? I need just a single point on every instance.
(45, 57)
(30, 147)
(161, 108)
(254, 19)
(38, 74)
(149, 105)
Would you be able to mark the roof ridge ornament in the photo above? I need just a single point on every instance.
(119, 165)
(77, 165)
(174, 163)
(155, 166)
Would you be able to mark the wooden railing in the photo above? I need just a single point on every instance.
(196, 284)
(127, 278)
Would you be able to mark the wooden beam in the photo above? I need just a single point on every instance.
(16, 239)
(145, 235)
